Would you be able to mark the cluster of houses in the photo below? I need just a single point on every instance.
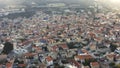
(62, 41)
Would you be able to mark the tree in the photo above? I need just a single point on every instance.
(87, 61)
(117, 66)
(113, 47)
(8, 47)
(112, 64)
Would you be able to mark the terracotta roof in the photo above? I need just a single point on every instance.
(98, 31)
(75, 63)
(30, 54)
(8, 65)
(42, 66)
(26, 42)
(37, 48)
(86, 67)
(98, 39)
(94, 64)
(82, 57)
(54, 48)
(1, 65)
(118, 57)
(64, 46)
(111, 55)
(85, 51)
(92, 44)
(21, 65)
(49, 58)
(92, 34)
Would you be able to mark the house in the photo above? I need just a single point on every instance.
(71, 52)
(117, 58)
(70, 66)
(85, 66)
(25, 43)
(94, 65)
(3, 57)
(1, 46)
(42, 65)
(37, 49)
(22, 65)
(53, 55)
(85, 51)
(104, 65)
(63, 54)
(49, 60)
(54, 48)
(75, 63)
(82, 57)
(82, 52)
(30, 54)
(41, 58)
(63, 46)
(98, 39)
(117, 50)
(110, 57)
(20, 51)
(67, 39)
(103, 49)
(92, 47)
(8, 65)
(91, 34)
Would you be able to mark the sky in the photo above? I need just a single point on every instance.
(4, 3)
(40, 1)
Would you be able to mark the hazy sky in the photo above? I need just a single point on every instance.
(28, 2)
(40, 1)
(16, 2)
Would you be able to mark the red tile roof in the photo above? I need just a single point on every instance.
(30, 54)
(75, 63)
(54, 48)
(92, 34)
(21, 65)
(94, 64)
(118, 57)
(37, 48)
(42, 66)
(85, 51)
(26, 42)
(49, 58)
(64, 46)
(8, 65)
(98, 39)
(111, 55)
(82, 57)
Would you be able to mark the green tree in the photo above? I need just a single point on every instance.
(113, 47)
(117, 66)
(112, 64)
(87, 61)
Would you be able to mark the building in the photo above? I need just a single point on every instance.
(49, 60)
(94, 65)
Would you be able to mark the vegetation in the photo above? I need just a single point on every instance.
(113, 47)
(112, 65)
(87, 61)
(117, 66)
(72, 45)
